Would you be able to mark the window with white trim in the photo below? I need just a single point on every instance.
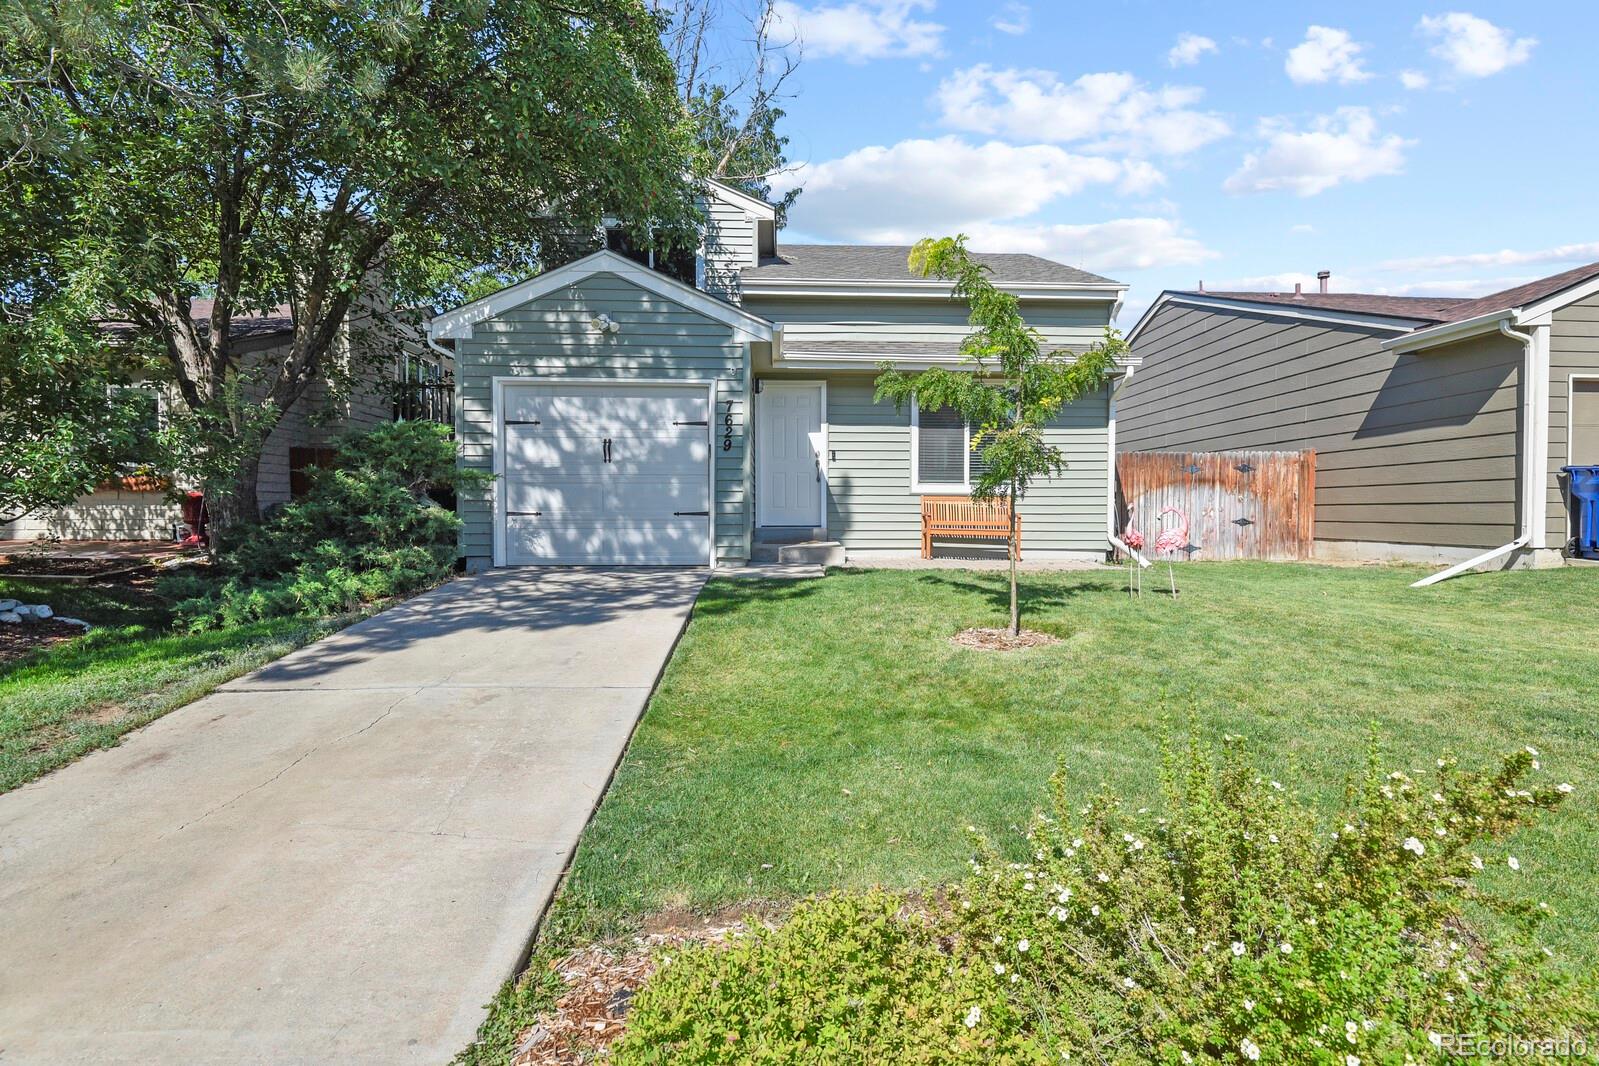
(942, 460)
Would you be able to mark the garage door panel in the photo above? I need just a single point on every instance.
(614, 541)
(591, 497)
(566, 504)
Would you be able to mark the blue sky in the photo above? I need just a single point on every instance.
(1408, 148)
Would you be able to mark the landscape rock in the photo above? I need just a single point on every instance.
(73, 622)
(7, 606)
(10, 618)
(42, 611)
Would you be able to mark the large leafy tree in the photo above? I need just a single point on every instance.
(325, 157)
(1009, 388)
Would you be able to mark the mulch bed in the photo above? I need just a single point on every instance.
(1001, 639)
(19, 639)
(67, 566)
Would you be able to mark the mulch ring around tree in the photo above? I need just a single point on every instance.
(1001, 639)
(19, 639)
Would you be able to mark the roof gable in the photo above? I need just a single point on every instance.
(888, 263)
(458, 323)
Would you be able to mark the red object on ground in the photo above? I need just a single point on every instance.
(195, 517)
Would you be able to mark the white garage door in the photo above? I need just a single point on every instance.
(611, 474)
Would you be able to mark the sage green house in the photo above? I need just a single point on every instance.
(1440, 425)
(636, 418)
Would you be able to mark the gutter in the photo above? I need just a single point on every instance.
(1531, 468)
(1112, 534)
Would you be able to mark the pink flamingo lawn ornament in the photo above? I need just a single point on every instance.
(1134, 539)
(1172, 540)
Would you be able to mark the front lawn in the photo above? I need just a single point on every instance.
(82, 694)
(822, 734)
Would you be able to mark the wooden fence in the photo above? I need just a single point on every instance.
(1239, 505)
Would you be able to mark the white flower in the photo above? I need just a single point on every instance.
(1513, 862)
(1272, 837)
(1286, 948)
(1439, 831)
(1128, 982)
(1476, 862)
(1094, 910)
(1138, 845)
(974, 1016)
(1249, 1004)
(1238, 947)
(998, 939)
(1077, 843)
(1187, 1057)
(1128, 837)
(999, 968)
(1278, 785)
(1413, 845)
(966, 904)
(1250, 1050)
(1535, 765)
(1104, 878)
(1065, 894)
(1022, 946)
(1564, 788)
(1437, 797)
(1014, 978)
(1351, 1060)
(1531, 750)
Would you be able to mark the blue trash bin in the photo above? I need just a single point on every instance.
(1583, 487)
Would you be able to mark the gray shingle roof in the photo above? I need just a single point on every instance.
(1416, 308)
(886, 349)
(886, 262)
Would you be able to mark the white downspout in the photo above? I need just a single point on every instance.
(1113, 534)
(1531, 464)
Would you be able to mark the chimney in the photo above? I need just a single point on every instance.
(1323, 276)
(1299, 291)
(1201, 284)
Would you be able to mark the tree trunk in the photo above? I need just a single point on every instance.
(1015, 605)
(229, 510)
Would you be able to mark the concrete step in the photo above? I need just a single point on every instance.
(808, 552)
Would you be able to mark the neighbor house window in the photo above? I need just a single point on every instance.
(941, 451)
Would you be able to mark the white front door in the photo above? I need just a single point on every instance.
(788, 454)
(607, 473)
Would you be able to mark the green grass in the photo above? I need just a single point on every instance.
(820, 734)
(823, 734)
(84, 694)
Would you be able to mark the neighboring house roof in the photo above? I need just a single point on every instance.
(1420, 321)
(887, 263)
(1433, 308)
(271, 323)
(1522, 295)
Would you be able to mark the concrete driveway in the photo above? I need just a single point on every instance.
(337, 858)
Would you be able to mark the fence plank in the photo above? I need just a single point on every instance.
(1238, 505)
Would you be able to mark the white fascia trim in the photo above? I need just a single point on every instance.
(1449, 332)
(753, 206)
(783, 357)
(458, 323)
(912, 289)
(1560, 299)
(1312, 314)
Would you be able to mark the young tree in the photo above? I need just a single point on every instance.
(1010, 389)
(328, 159)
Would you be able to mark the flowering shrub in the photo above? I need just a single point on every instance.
(1229, 928)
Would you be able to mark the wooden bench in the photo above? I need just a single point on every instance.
(962, 516)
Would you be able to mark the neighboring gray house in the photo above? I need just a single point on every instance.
(1440, 425)
(138, 507)
(636, 419)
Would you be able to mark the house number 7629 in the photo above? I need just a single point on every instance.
(727, 427)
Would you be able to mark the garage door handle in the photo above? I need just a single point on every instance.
(523, 422)
(526, 514)
(700, 423)
(605, 450)
(701, 514)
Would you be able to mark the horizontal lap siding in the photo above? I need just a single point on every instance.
(729, 247)
(1411, 449)
(1573, 350)
(550, 339)
(940, 321)
(870, 505)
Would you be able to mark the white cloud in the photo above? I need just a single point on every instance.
(1472, 46)
(1325, 54)
(1014, 19)
(1111, 111)
(1563, 253)
(901, 192)
(1414, 79)
(1345, 146)
(1118, 244)
(863, 29)
(1188, 49)
(1301, 228)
